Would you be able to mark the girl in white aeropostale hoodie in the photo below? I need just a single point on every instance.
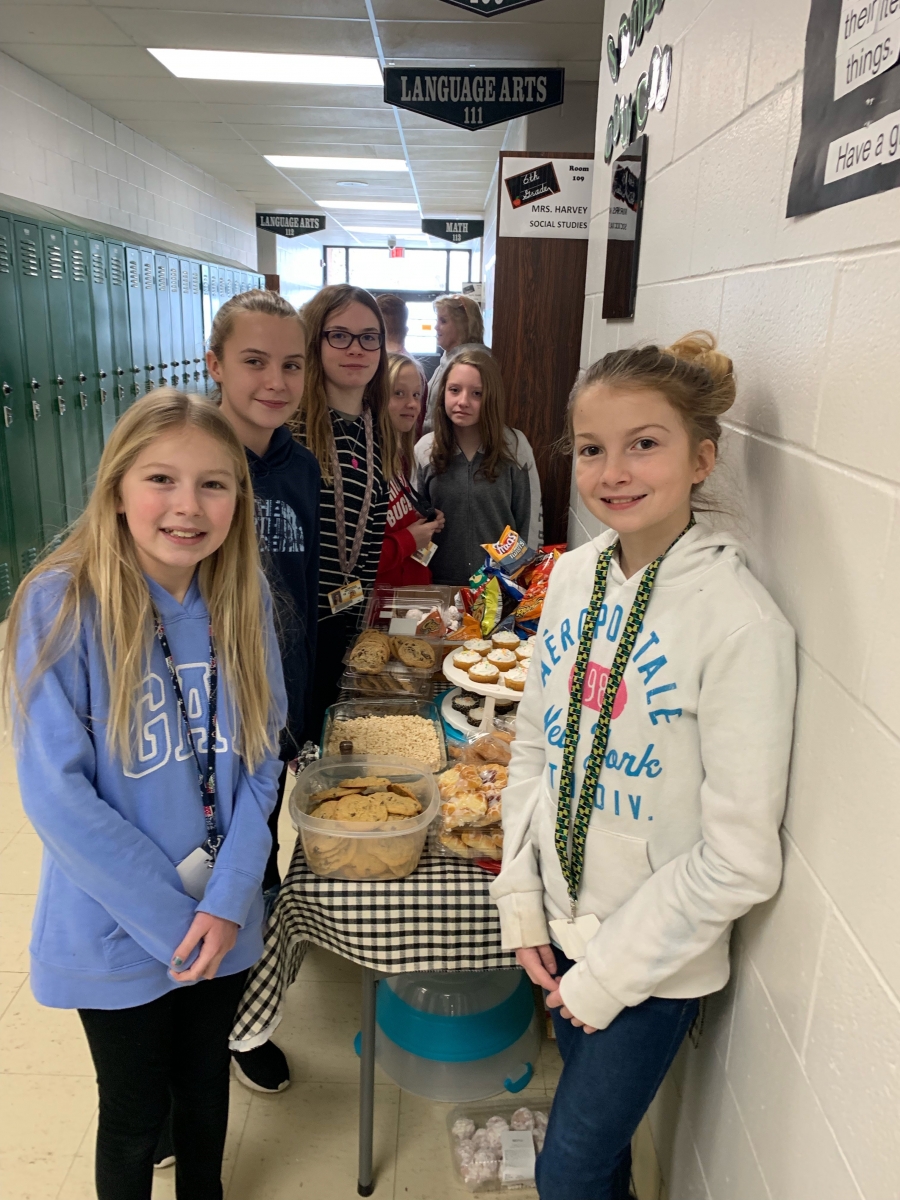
(648, 775)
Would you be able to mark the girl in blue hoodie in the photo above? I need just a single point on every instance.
(148, 698)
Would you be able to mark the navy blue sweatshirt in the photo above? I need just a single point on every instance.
(286, 485)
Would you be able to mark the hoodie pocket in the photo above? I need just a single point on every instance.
(615, 866)
(121, 950)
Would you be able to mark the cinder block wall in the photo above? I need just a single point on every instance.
(56, 150)
(794, 1092)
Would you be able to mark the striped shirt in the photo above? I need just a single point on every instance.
(350, 440)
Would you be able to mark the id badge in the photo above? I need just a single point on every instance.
(345, 597)
(425, 555)
(194, 872)
(572, 937)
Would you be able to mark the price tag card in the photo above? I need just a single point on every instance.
(345, 597)
(572, 937)
(425, 555)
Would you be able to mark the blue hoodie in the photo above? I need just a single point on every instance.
(110, 908)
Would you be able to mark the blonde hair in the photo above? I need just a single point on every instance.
(466, 315)
(491, 421)
(405, 443)
(312, 424)
(270, 304)
(100, 563)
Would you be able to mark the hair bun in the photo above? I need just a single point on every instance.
(700, 347)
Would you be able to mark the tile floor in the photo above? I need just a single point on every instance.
(300, 1143)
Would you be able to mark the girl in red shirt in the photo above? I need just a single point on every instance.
(408, 527)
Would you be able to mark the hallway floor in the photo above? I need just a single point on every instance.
(300, 1143)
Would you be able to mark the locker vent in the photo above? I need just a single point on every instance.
(30, 260)
(195, 281)
(116, 272)
(6, 590)
(79, 266)
(161, 282)
(173, 279)
(56, 264)
(97, 272)
(134, 279)
(148, 277)
(4, 255)
(185, 281)
(29, 559)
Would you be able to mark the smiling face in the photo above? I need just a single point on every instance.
(352, 367)
(463, 395)
(635, 464)
(260, 375)
(405, 401)
(178, 498)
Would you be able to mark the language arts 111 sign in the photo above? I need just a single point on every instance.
(474, 97)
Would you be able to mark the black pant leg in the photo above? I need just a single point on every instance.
(204, 1015)
(333, 637)
(131, 1049)
(272, 877)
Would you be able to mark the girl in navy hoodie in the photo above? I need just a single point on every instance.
(148, 698)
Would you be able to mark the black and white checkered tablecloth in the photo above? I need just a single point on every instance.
(440, 918)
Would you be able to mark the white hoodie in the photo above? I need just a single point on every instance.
(683, 837)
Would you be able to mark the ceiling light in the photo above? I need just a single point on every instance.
(369, 205)
(303, 162)
(398, 232)
(351, 183)
(254, 67)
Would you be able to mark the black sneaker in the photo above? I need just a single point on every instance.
(264, 1069)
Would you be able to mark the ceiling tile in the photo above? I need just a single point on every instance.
(59, 25)
(230, 31)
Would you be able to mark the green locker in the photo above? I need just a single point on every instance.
(187, 326)
(176, 373)
(85, 391)
(29, 269)
(120, 331)
(151, 320)
(63, 368)
(210, 280)
(102, 394)
(245, 282)
(198, 351)
(20, 517)
(164, 311)
(135, 325)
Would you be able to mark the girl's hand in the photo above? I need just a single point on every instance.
(422, 530)
(555, 1000)
(218, 937)
(539, 964)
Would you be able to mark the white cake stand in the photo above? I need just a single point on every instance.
(490, 691)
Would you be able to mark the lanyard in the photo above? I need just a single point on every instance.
(571, 837)
(207, 774)
(347, 563)
(406, 489)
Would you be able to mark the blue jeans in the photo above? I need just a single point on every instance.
(608, 1081)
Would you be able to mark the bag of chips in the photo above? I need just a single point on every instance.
(530, 607)
(511, 553)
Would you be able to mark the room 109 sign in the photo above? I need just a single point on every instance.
(545, 197)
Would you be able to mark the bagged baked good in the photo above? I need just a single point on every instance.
(371, 653)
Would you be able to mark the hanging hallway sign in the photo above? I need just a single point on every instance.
(850, 127)
(453, 230)
(490, 8)
(290, 224)
(471, 97)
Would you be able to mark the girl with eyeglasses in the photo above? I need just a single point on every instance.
(343, 419)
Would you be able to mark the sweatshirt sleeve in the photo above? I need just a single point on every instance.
(241, 861)
(101, 852)
(745, 720)
(527, 493)
(396, 548)
(518, 890)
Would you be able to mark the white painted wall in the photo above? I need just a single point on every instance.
(58, 151)
(794, 1093)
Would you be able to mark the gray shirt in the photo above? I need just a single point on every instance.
(476, 510)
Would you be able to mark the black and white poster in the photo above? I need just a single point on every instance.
(453, 229)
(850, 132)
(474, 97)
(490, 8)
(545, 197)
(291, 224)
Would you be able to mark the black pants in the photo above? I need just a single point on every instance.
(170, 1052)
(272, 877)
(334, 636)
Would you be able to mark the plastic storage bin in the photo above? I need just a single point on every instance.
(477, 1142)
(360, 850)
(460, 1035)
(353, 710)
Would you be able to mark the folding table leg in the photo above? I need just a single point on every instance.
(366, 1185)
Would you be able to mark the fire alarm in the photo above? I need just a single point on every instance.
(396, 252)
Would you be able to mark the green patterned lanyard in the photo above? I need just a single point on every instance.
(572, 837)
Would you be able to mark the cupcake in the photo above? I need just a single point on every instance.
(464, 659)
(502, 707)
(505, 640)
(532, 641)
(504, 659)
(463, 703)
(524, 650)
(484, 672)
(476, 716)
(479, 645)
(515, 679)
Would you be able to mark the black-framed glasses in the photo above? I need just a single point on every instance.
(341, 339)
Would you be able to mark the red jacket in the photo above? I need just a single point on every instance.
(395, 566)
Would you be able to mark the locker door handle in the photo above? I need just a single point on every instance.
(7, 416)
(121, 392)
(120, 370)
(61, 405)
(150, 367)
(164, 366)
(34, 385)
(7, 390)
(82, 399)
(59, 381)
(102, 374)
(35, 410)
(103, 395)
(135, 370)
(82, 378)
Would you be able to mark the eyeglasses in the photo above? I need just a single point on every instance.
(340, 339)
